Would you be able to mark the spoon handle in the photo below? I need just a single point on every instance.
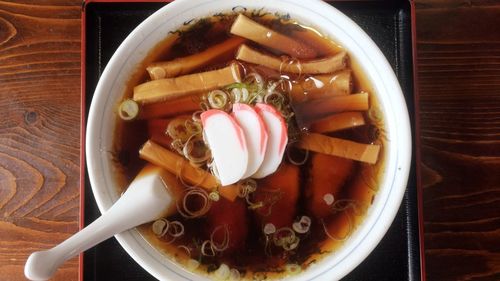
(146, 199)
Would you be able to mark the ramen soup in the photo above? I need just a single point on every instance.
(271, 134)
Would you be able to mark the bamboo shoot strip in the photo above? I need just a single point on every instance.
(320, 108)
(321, 66)
(247, 28)
(182, 86)
(177, 165)
(340, 84)
(320, 86)
(337, 122)
(188, 64)
(169, 108)
(338, 147)
(323, 45)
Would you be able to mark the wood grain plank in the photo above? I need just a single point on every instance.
(40, 130)
(22, 236)
(459, 77)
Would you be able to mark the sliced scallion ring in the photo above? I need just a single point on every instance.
(217, 99)
(128, 110)
(214, 196)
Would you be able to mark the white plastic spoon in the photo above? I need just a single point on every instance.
(150, 196)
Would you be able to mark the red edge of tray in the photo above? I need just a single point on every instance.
(82, 133)
(416, 118)
(83, 117)
(417, 140)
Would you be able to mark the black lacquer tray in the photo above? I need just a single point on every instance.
(389, 23)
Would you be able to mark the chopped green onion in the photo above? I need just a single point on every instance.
(293, 161)
(197, 194)
(195, 150)
(375, 114)
(328, 198)
(217, 99)
(284, 235)
(186, 249)
(240, 95)
(237, 85)
(269, 228)
(256, 79)
(246, 187)
(197, 116)
(302, 226)
(176, 129)
(128, 110)
(293, 268)
(192, 264)
(176, 229)
(222, 246)
(160, 227)
(223, 272)
(207, 249)
(252, 205)
(178, 146)
(234, 275)
(214, 196)
(291, 244)
(192, 126)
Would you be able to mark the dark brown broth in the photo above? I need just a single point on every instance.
(361, 186)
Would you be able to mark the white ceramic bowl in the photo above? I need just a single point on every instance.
(314, 13)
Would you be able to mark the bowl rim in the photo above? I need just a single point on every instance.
(94, 142)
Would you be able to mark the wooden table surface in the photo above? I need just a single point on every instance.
(458, 48)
